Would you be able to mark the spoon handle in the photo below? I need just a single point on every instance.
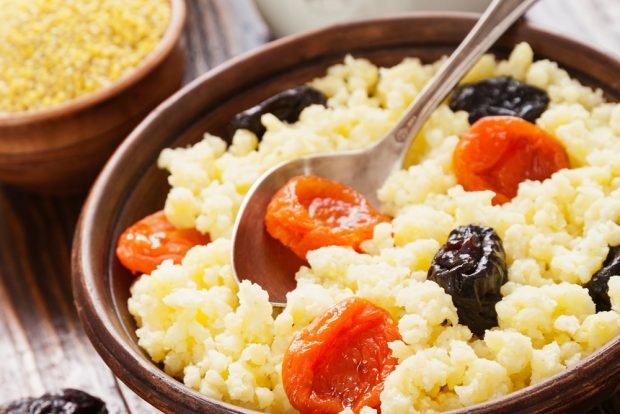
(492, 24)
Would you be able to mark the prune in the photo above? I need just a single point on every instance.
(471, 267)
(598, 286)
(500, 96)
(286, 106)
(66, 401)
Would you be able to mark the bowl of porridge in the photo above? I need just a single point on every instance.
(539, 333)
(77, 78)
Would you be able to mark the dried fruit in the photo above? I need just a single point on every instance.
(66, 401)
(341, 359)
(286, 106)
(309, 212)
(598, 286)
(150, 241)
(500, 96)
(471, 267)
(499, 152)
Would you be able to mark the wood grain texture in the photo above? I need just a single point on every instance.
(42, 345)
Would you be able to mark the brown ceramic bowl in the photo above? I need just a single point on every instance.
(131, 186)
(62, 148)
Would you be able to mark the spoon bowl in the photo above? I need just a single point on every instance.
(271, 264)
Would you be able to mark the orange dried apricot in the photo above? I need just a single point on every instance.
(499, 152)
(341, 359)
(309, 212)
(150, 241)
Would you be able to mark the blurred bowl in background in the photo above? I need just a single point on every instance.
(293, 16)
(60, 150)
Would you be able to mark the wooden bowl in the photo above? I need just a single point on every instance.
(62, 148)
(131, 186)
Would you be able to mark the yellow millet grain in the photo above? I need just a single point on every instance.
(52, 51)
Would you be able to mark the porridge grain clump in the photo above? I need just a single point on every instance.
(227, 342)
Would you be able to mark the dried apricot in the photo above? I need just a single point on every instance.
(309, 212)
(499, 152)
(341, 359)
(150, 241)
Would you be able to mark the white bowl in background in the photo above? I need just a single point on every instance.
(286, 17)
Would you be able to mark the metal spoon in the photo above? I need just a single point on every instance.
(257, 257)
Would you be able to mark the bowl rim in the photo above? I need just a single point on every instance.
(128, 364)
(174, 29)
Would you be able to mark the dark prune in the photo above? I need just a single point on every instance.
(471, 267)
(286, 106)
(500, 96)
(598, 286)
(67, 401)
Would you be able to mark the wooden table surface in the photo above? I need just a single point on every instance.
(42, 345)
